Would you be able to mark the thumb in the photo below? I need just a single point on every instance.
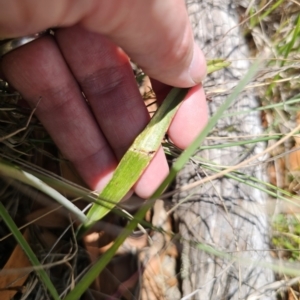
(156, 34)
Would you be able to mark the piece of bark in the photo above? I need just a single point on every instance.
(224, 214)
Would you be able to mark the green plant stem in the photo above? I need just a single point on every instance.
(28, 251)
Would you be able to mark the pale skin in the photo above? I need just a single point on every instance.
(85, 55)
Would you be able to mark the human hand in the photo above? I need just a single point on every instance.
(84, 56)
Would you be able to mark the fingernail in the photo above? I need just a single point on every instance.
(197, 69)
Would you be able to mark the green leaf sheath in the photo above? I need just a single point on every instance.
(139, 155)
(136, 159)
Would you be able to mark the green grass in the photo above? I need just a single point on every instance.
(28, 251)
(282, 25)
(287, 235)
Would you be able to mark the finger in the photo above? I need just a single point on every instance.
(153, 176)
(191, 117)
(38, 71)
(156, 34)
(105, 76)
